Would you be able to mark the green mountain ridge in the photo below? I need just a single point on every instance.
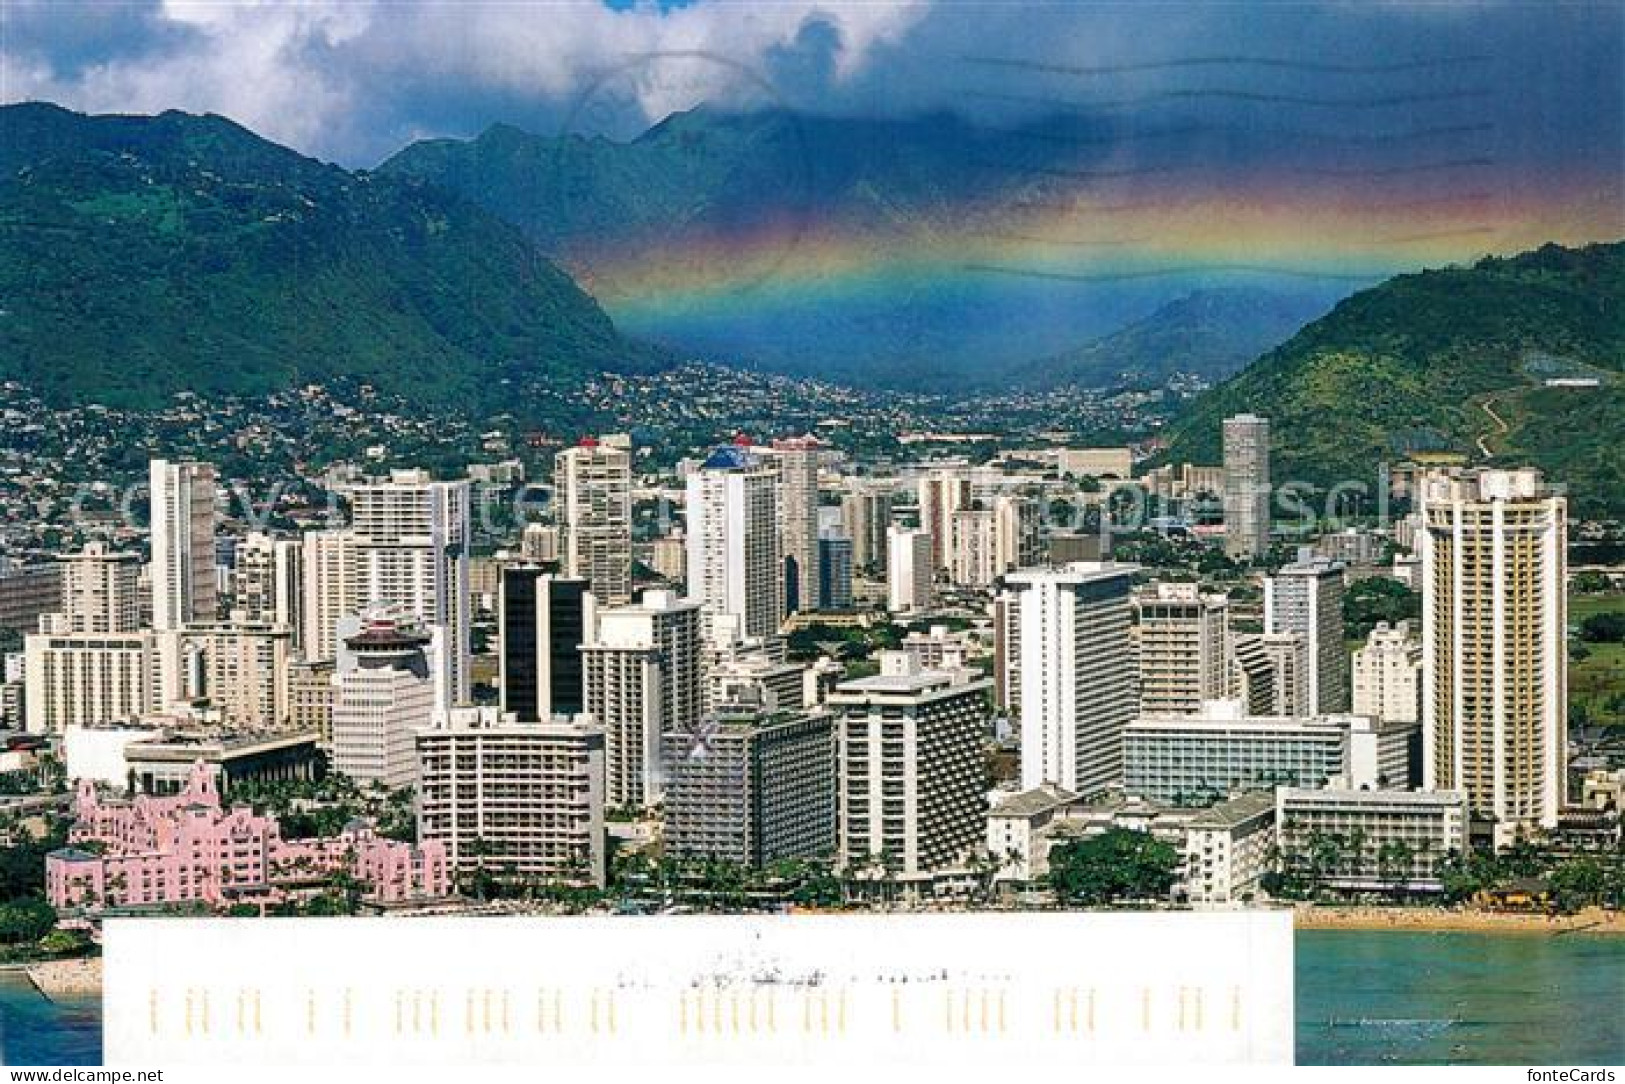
(1211, 333)
(1456, 358)
(143, 256)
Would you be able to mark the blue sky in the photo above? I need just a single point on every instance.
(353, 80)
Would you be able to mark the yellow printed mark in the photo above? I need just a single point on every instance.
(896, 1009)
(1235, 1008)
(152, 1010)
(1145, 1008)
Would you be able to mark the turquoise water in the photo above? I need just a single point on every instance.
(1387, 998)
(1363, 998)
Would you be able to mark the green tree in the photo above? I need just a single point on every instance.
(25, 921)
(1119, 864)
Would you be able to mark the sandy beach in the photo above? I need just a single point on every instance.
(1591, 920)
(67, 978)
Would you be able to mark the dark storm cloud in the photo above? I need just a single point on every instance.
(1538, 85)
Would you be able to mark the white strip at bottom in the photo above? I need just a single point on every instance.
(963, 989)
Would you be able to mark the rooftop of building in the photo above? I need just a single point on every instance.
(1029, 803)
(1237, 810)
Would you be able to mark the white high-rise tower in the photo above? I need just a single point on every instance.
(411, 551)
(183, 561)
(734, 564)
(1077, 673)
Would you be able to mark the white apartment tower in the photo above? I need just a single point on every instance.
(1077, 673)
(1185, 655)
(593, 490)
(734, 564)
(909, 570)
(411, 550)
(641, 680)
(1388, 675)
(908, 747)
(973, 557)
(182, 499)
(1494, 661)
(1246, 486)
(1305, 599)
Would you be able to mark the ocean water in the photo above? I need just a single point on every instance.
(35, 1030)
(1404, 998)
(1363, 998)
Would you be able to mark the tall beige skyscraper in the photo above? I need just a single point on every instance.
(973, 548)
(330, 591)
(1185, 656)
(1246, 486)
(1494, 661)
(182, 499)
(734, 562)
(798, 520)
(99, 588)
(593, 494)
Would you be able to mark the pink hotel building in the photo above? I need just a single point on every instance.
(188, 848)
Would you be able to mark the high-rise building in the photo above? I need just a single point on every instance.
(183, 554)
(1388, 675)
(909, 751)
(752, 786)
(1183, 641)
(909, 570)
(1269, 674)
(542, 622)
(798, 520)
(734, 564)
(941, 494)
(85, 678)
(99, 590)
(1305, 598)
(866, 515)
(1016, 541)
(1494, 650)
(642, 681)
(267, 584)
(1077, 673)
(972, 549)
(593, 491)
(521, 800)
(411, 551)
(243, 671)
(1246, 486)
(539, 543)
(834, 571)
(383, 695)
(330, 588)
